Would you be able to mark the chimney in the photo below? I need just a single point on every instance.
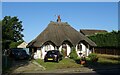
(58, 20)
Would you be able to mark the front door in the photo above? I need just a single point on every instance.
(64, 47)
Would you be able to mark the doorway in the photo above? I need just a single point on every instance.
(64, 47)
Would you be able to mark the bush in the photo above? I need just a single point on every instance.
(93, 57)
(73, 54)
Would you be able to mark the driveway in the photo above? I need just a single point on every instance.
(25, 66)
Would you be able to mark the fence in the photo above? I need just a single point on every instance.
(107, 50)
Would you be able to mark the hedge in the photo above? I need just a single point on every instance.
(110, 39)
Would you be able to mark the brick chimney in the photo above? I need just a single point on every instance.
(58, 20)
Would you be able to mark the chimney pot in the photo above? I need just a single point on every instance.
(58, 20)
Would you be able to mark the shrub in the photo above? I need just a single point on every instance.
(93, 57)
(73, 54)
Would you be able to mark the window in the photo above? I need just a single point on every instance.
(47, 47)
(79, 47)
(64, 46)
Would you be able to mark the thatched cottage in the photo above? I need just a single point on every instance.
(60, 36)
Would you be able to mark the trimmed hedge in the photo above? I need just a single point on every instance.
(110, 39)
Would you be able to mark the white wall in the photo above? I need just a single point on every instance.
(38, 53)
(68, 50)
(83, 49)
(60, 48)
(77, 50)
(43, 52)
(89, 52)
(52, 47)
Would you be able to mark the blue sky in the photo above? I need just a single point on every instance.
(80, 15)
(60, 0)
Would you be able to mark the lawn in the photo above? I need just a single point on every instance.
(63, 64)
(109, 59)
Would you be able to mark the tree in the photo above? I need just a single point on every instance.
(15, 44)
(11, 31)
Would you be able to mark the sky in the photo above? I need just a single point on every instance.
(35, 16)
(60, 0)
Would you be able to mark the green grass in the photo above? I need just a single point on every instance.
(63, 64)
(103, 58)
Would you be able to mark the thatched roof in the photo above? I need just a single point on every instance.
(88, 32)
(57, 33)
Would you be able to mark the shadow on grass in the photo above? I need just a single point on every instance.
(113, 58)
(9, 64)
(103, 67)
(77, 61)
